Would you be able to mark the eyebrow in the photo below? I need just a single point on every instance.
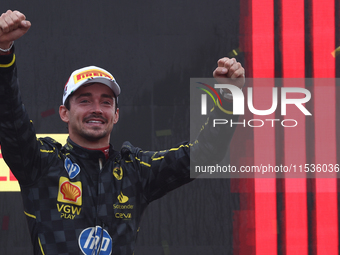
(84, 95)
(89, 95)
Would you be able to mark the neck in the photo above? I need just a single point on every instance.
(105, 150)
(91, 144)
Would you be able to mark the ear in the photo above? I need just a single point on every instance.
(63, 113)
(116, 116)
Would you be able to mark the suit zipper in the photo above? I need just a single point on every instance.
(97, 209)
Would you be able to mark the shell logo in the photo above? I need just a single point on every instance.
(69, 192)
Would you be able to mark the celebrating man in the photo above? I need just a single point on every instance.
(85, 197)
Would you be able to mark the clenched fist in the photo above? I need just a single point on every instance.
(13, 25)
(229, 71)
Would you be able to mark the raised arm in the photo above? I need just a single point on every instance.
(13, 25)
(163, 171)
(17, 136)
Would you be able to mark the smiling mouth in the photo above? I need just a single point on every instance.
(95, 121)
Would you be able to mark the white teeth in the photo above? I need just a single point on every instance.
(94, 121)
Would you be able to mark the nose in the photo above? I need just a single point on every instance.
(97, 108)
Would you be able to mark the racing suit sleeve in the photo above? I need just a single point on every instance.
(163, 171)
(17, 135)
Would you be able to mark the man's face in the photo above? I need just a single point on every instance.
(91, 116)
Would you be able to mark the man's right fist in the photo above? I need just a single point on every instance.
(13, 25)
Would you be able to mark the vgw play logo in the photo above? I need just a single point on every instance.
(238, 100)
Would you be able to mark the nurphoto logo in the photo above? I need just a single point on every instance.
(301, 96)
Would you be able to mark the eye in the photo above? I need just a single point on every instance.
(107, 102)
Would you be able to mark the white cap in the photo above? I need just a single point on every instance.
(90, 74)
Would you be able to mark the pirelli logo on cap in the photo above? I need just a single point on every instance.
(69, 192)
(90, 74)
